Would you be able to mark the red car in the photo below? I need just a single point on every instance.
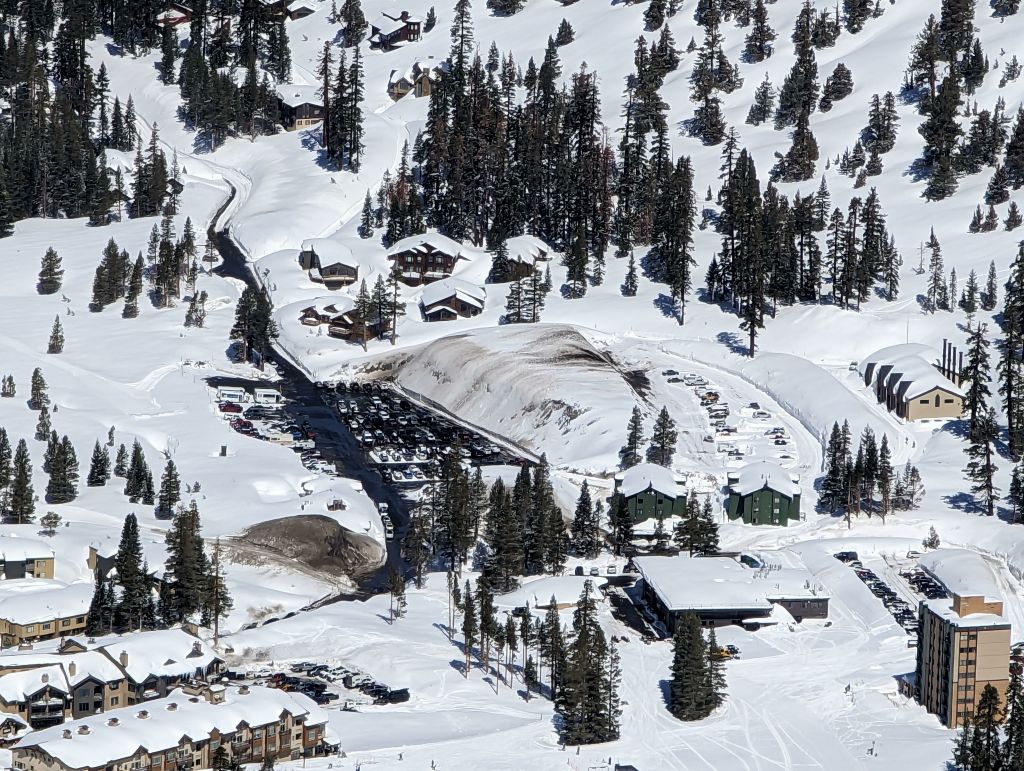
(230, 407)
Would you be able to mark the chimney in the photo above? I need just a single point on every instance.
(172, 707)
(945, 350)
(72, 669)
(84, 730)
(142, 714)
(959, 368)
(123, 658)
(113, 721)
(44, 678)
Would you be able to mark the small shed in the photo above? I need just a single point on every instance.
(451, 298)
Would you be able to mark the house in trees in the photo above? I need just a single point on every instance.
(426, 257)
(341, 322)
(651, 491)
(524, 254)
(915, 381)
(25, 558)
(450, 298)
(174, 15)
(274, 9)
(328, 262)
(391, 30)
(763, 493)
(300, 9)
(418, 79)
(725, 590)
(299, 106)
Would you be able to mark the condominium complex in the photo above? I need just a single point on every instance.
(963, 645)
(186, 729)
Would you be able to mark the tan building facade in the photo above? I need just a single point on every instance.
(251, 725)
(963, 646)
(934, 404)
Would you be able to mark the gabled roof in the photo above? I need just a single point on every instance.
(527, 248)
(330, 252)
(17, 686)
(386, 25)
(419, 243)
(757, 476)
(338, 307)
(439, 291)
(294, 95)
(160, 653)
(647, 476)
(908, 370)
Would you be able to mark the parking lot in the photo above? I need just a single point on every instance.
(407, 442)
(349, 688)
(913, 583)
(736, 431)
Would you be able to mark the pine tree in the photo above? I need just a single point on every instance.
(99, 466)
(630, 284)
(7, 387)
(170, 490)
(689, 696)
(1013, 744)
(134, 582)
(1013, 217)
(366, 219)
(56, 343)
(51, 273)
(990, 296)
(22, 498)
(630, 452)
(187, 567)
(663, 440)
(586, 531)
(43, 426)
(63, 467)
(100, 618)
(121, 462)
(38, 396)
(758, 46)
(931, 541)
(470, 626)
(5, 459)
(981, 468)
(977, 373)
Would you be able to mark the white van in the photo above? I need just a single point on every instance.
(234, 394)
(267, 396)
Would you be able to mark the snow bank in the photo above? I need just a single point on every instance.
(543, 386)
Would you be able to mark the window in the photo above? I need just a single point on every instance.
(114, 701)
(949, 401)
(924, 401)
(83, 707)
(157, 760)
(257, 733)
(47, 625)
(30, 628)
(65, 622)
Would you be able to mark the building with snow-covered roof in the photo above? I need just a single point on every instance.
(963, 644)
(299, 106)
(390, 30)
(174, 15)
(40, 609)
(184, 729)
(524, 252)
(25, 558)
(300, 9)
(341, 322)
(763, 493)
(451, 298)
(329, 262)
(722, 591)
(418, 79)
(99, 675)
(651, 491)
(914, 381)
(426, 257)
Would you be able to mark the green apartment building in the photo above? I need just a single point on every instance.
(651, 491)
(763, 494)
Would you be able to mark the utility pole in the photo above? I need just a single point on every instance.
(216, 591)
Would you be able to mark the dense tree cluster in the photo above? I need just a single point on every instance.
(697, 684)
(866, 481)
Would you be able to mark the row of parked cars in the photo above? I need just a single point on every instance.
(905, 616)
(352, 680)
(924, 584)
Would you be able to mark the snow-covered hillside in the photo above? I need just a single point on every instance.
(802, 695)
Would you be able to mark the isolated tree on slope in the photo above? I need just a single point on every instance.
(99, 466)
(977, 372)
(630, 452)
(981, 468)
(51, 274)
(663, 440)
(56, 344)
